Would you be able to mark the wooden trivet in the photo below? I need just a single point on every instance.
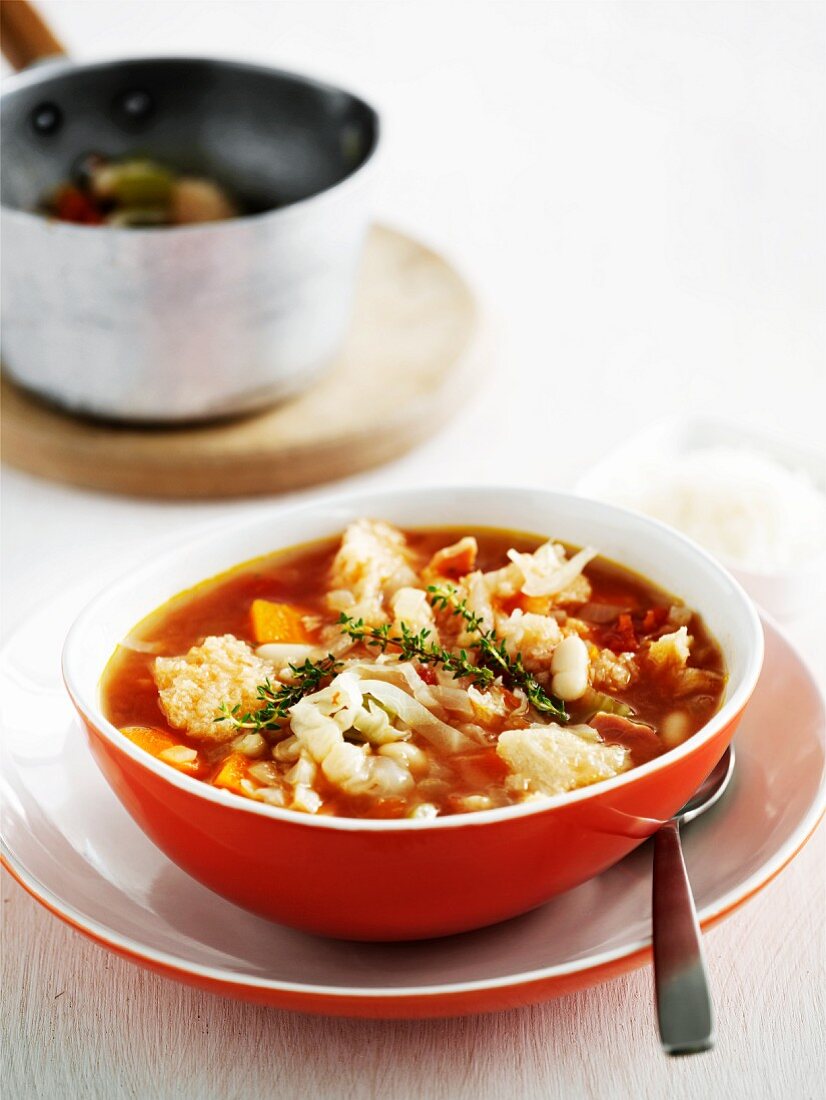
(412, 347)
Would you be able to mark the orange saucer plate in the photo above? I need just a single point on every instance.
(71, 844)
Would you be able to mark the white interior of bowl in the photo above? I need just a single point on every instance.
(644, 545)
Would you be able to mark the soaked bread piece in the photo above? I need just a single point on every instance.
(556, 758)
(192, 688)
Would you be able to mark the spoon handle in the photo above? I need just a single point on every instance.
(683, 1001)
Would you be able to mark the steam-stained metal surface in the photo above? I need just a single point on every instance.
(193, 322)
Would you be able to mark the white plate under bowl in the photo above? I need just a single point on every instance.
(71, 844)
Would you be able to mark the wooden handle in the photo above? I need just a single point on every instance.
(24, 36)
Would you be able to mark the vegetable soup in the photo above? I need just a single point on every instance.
(391, 674)
(135, 192)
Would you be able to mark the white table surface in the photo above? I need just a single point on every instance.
(636, 191)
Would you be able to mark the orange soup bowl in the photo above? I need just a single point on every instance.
(411, 878)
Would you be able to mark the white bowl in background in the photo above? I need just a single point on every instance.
(785, 593)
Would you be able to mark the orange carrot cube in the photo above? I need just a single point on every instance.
(537, 605)
(278, 622)
(233, 770)
(163, 745)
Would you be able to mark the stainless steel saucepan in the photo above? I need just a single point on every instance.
(191, 322)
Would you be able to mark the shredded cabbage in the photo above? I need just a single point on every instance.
(453, 698)
(373, 723)
(546, 572)
(417, 716)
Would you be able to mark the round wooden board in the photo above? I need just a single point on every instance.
(412, 341)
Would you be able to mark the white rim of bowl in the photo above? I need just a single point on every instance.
(92, 713)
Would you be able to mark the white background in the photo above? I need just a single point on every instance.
(636, 192)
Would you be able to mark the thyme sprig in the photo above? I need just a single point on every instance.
(493, 653)
(492, 660)
(492, 657)
(415, 646)
(276, 700)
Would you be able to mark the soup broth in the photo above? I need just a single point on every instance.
(391, 674)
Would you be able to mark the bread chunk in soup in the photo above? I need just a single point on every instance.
(389, 674)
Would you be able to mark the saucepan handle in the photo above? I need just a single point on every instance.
(24, 35)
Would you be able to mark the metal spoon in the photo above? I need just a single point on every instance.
(684, 1011)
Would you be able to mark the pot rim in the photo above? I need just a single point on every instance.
(43, 70)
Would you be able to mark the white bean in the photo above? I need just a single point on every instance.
(388, 778)
(425, 809)
(250, 744)
(273, 796)
(409, 756)
(305, 798)
(569, 666)
(674, 728)
(287, 750)
(178, 754)
(284, 653)
(473, 802)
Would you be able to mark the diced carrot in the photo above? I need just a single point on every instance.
(233, 770)
(156, 742)
(150, 740)
(537, 605)
(278, 622)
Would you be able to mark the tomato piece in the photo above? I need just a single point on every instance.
(427, 674)
(654, 619)
(622, 638)
(73, 205)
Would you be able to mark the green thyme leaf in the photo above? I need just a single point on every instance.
(493, 654)
(277, 699)
(414, 645)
